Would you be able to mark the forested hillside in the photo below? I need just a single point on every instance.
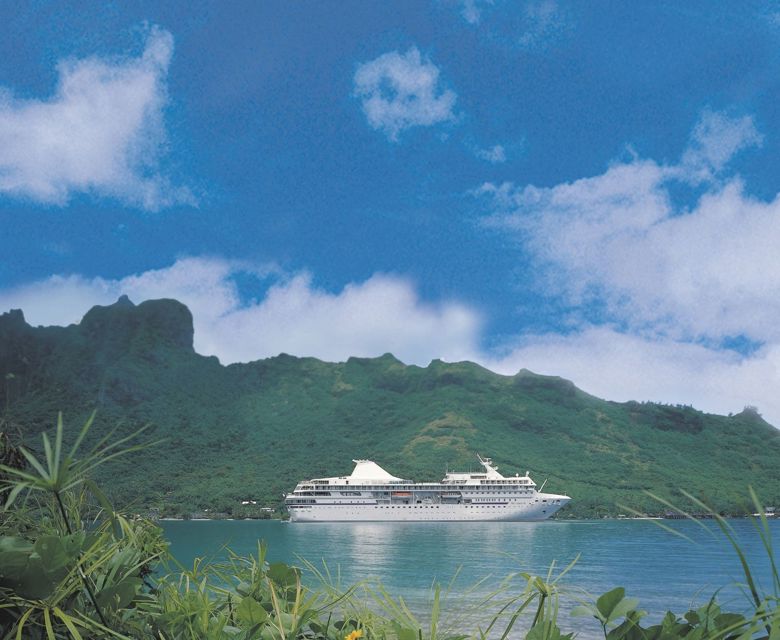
(250, 431)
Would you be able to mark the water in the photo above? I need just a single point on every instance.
(664, 571)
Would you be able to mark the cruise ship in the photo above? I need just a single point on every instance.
(370, 493)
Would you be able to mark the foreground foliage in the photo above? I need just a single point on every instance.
(73, 567)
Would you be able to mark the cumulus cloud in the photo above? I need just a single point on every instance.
(495, 154)
(680, 280)
(101, 133)
(620, 366)
(707, 271)
(381, 314)
(399, 91)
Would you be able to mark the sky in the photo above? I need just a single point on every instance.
(587, 190)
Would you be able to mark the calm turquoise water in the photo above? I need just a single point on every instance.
(662, 570)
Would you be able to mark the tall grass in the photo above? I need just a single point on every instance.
(71, 566)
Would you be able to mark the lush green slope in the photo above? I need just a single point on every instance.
(250, 431)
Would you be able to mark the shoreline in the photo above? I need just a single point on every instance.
(595, 519)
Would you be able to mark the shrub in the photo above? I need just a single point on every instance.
(73, 567)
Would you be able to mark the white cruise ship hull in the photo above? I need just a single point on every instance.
(533, 512)
(371, 494)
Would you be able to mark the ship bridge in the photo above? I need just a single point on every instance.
(489, 476)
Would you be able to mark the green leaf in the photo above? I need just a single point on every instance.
(119, 595)
(774, 633)
(546, 630)
(608, 601)
(282, 574)
(52, 553)
(286, 621)
(250, 611)
(629, 629)
(14, 555)
(107, 507)
(35, 570)
(707, 615)
(35, 583)
(269, 633)
(730, 621)
(243, 588)
(82, 433)
(34, 463)
(68, 622)
(697, 633)
(47, 623)
(75, 543)
(404, 633)
(20, 624)
(622, 608)
(12, 495)
(58, 446)
(669, 629)
(669, 619)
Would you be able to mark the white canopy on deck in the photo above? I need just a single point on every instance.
(368, 471)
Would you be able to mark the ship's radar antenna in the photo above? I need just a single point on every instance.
(487, 463)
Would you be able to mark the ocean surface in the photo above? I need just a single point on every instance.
(664, 571)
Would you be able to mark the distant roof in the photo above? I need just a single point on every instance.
(368, 470)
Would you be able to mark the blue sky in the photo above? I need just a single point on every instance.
(582, 189)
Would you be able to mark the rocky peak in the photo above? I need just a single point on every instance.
(12, 320)
(151, 324)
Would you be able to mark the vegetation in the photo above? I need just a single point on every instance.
(72, 567)
(249, 432)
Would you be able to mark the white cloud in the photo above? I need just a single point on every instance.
(611, 364)
(471, 11)
(495, 155)
(705, 272)
(367, 318)
(101, 133)
(379, 315)
(714, 141)
(545, 21)
(680, 280)
(399, 91)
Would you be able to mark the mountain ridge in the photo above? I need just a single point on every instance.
(251, 430)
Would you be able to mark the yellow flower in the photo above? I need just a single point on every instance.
(357, 633)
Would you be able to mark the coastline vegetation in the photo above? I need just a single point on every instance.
(71, 566)
(249, 432)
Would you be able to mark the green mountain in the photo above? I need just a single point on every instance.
(251, 431)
